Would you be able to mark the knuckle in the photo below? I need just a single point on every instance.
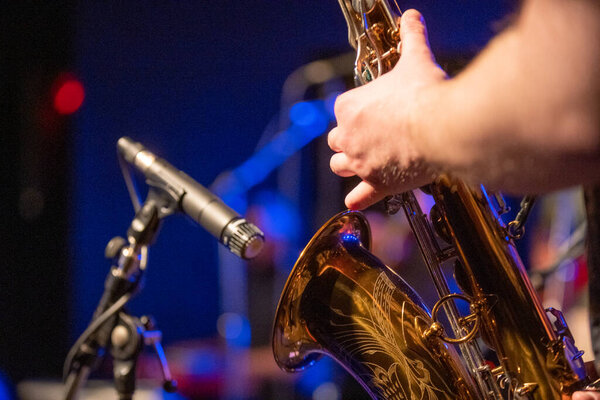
(336, 163)
(331, 138)
(339, 105)
(332, 163)
(335, 140)
(343, 105)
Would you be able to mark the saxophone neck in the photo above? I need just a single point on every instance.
(374, 33)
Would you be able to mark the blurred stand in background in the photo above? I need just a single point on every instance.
(558, 270)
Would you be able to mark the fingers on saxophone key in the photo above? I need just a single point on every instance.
(339, 164)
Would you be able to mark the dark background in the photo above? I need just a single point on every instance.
(197, 82)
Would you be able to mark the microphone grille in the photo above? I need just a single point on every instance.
(243, 239)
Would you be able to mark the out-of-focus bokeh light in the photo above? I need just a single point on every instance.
(321, 372)
(309, 120)
(235, 329)
(310, 115)
(69, 95)
(327, 391)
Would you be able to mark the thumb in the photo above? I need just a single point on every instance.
(413, 33)
(362, 196)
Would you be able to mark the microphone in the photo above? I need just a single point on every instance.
(240, 236)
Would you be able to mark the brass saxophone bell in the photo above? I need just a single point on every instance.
(342, 301)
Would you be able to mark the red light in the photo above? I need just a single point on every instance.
(69, 97)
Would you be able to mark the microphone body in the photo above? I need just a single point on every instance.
(240, 236)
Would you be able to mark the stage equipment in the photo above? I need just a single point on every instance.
(342, 301)
(240, 236)
(111, 327)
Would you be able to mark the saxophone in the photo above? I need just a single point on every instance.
(340, 300)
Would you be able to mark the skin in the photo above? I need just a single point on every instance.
(586, 396)
(523, 117)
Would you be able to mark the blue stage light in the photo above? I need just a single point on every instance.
(319, 373)
(330, 104)
(350, 239)
(235, 329)
(309, 119)
(304, 113)
(310, 115)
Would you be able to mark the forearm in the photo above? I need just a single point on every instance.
(526, 112)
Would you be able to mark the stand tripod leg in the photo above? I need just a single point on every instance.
(75, 381)
(126, 344)
(124, 375)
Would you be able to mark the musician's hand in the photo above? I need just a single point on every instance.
(586, 396)
(375, 138)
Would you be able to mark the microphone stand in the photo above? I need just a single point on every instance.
(111, 327)
(127, 340)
